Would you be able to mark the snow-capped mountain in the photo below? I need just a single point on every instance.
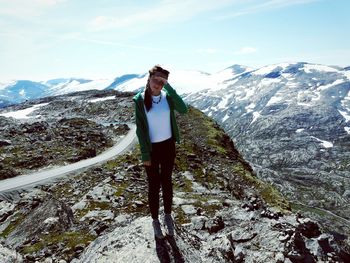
(19, 91)
(186, 81)
(292, 122)
(14, 92)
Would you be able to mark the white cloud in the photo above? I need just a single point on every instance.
(165, 12)
(260, 6)
(46, 2)
(246, 50)
(26, 8)
(207, 50)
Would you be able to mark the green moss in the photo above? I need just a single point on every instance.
(273, 197)
(181, 161)
(302, 208)
(184, 185)
(70, 239)
(18, 219)
(120, 188)
(208, 209)
(209, 179)
(130, 158)
(210, 129)
(63, 190)
(180, 216)
(267, 192)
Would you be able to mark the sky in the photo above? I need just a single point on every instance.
(47, 39)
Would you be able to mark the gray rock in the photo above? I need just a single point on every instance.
(40, 220)
(239, 254)
(9, 256)
(279, 258)
(346, 194)
(199, 222)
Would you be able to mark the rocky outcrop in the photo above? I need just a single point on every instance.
(51, 216)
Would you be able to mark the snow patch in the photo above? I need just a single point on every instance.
(325, 144)
(273, 100)
(267, 82)
(256, 115)
(268, 69)
(345, 115)
(250, 107)
(223, 102)
(247, 93)
(324, 87)
(102, 99)
(225, 118)
(346, 73)
(22, 93)
(133, 84)
(74, 86)
(308, 68)
(346, 101)
(347, 129)
(299, 130)
(24, 114)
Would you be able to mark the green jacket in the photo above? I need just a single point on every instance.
(142, 132)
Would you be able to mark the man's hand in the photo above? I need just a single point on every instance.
(147, 163)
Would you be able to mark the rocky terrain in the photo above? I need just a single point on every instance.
(290, 121)
(223, 211)
(60, 130)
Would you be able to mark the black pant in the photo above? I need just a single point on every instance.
(159, 174)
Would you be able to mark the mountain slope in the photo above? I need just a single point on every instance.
(291, 122)
(223, 212)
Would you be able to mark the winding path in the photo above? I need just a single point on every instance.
(35, 178)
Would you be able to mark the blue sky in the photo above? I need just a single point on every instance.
(43, 39)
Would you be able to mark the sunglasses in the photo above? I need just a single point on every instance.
(159, 81)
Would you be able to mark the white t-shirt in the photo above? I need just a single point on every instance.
(158, 119)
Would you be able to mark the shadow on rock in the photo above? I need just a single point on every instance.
(162, 249)
(176, 253)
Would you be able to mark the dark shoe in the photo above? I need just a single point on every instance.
(157, 229)
(169, 223)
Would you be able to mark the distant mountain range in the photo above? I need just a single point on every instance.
(16, 91)
(291, 121)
